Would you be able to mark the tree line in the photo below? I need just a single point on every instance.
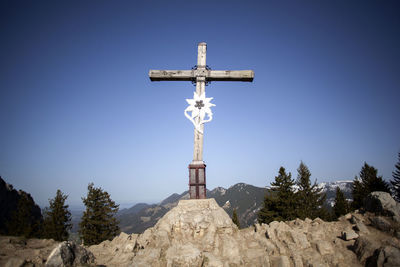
(288, 199)
(97, 224)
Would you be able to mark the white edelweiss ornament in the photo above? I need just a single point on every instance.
(200, 106)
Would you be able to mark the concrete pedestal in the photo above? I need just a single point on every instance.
(197, 180)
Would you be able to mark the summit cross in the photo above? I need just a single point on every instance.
(200, 106)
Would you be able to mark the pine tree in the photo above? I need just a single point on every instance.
(341, 206)
(235, 218)
(368, 182)
(57, 218)
(396, 181)
(279, 202)
(310, 199)
(22, 221)
(268, 212)
(98, 221)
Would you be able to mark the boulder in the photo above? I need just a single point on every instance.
(19, 251)
(387, 256)
(117, 252)
(69, 254)
(349, 234)
(381, 223)
(382, 203)
(360, 227)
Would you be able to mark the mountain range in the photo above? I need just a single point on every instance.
(246, 199)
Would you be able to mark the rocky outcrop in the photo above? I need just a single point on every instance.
(69, 254)
(378, 250)
(200, 233)
(118, 252)
(9, 198)
(21, 252)
(17, 251)
(383, 204)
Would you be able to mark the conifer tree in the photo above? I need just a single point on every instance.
(396, 181)
(22, 221)
(279, 202)
(57, 218)
(98, 221)
(235, 218)
(368, 182)
(310, 199)
(341, 206)
(268, 212)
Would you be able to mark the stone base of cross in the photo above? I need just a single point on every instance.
(200, 108)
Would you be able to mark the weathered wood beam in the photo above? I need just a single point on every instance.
(231, 75)
(211, 75)
(171, 75)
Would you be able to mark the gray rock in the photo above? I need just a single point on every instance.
(184, 255)
(356, 218)
(297, 260)
(348, 216)
(15, 262)
(397, 234)
(361, 227)
(382, 203)
(388, 256)
(283, 261)
(364, 247)
(69, 254)
(349, 234)
(324, 247)
(381, 223)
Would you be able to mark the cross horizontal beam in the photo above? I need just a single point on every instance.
(210, 75)
(231, 75)
(171, 75)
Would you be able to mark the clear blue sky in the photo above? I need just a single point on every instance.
(77, 106)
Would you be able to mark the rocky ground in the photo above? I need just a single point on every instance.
(200, 233)
(17, 251)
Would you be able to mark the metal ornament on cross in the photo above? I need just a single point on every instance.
(200, 108)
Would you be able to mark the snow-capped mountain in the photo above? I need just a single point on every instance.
(329, 188)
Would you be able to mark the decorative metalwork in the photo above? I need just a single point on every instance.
(195, 67)
(199, 106)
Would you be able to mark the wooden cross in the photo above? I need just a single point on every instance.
(200, 75)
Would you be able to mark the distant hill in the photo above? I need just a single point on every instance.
(134, 209)
(246, 199)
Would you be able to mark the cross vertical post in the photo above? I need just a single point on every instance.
(200, 89)
(200, 106)
(197, 168)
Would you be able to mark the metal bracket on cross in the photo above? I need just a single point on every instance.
(200, 71)
(200, 106)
